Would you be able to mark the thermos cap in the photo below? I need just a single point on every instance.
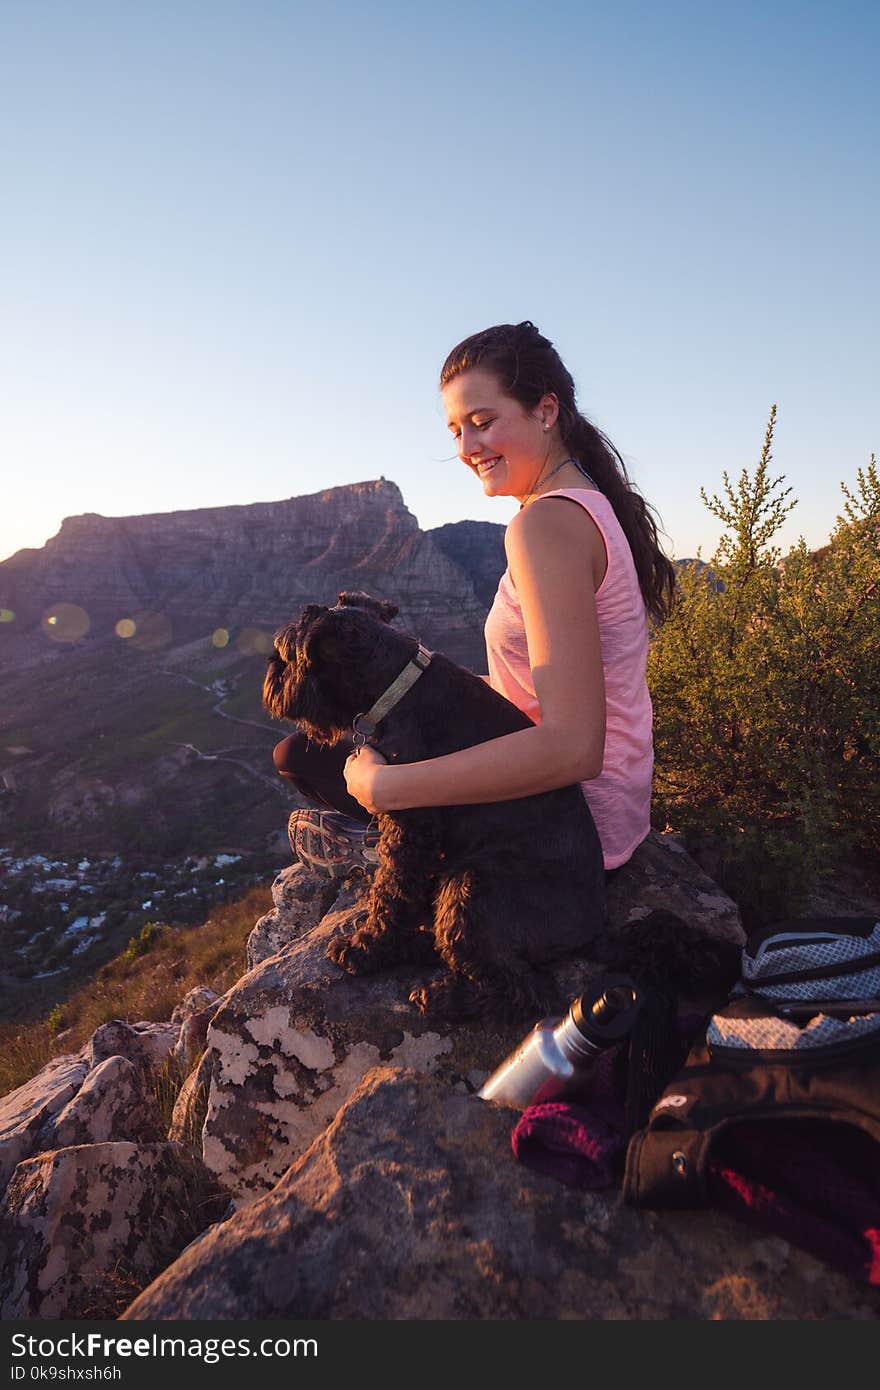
(607, 1009)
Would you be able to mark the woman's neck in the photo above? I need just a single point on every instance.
(564, 474)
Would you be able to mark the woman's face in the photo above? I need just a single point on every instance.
(499, 440)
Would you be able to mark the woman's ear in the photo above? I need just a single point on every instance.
(546, 412)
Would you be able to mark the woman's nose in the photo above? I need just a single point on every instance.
(467, 442)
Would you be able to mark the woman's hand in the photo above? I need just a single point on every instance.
(361, 773)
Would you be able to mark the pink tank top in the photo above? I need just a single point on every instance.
(620, 797)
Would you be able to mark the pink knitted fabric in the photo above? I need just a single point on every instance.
(620, 797)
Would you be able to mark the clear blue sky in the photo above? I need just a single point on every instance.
(239, 237)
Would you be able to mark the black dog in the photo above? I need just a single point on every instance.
(498, 889)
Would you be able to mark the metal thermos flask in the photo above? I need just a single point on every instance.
(556, 1057)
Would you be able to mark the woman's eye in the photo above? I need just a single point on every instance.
(477, 424)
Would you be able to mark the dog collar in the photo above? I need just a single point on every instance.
(364, 725)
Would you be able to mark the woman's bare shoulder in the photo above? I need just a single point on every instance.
(564, 530)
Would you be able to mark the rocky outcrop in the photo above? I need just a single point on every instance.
(77, 1224)
(112, 1103)
(192, 1016)
(367, 1178)
(291, 1042)
(96, 1199)
(662, 876)
(27, 1110)
(410, 1205)
(145, 1044)
(107, 1091)
(300, 901)
(295, 1035)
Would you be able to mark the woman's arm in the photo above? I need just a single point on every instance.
(555, 554)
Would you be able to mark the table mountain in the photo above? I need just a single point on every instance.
(133, 653)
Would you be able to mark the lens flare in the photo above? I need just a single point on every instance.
(153, 630)
(220, 637)
(65, 622)
(254, 641)
(125, 628)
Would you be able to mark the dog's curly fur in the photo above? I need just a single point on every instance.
(669, 956)
(494, 891)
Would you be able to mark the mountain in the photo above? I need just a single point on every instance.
(133, 652)
(477, 548)
(232, 566)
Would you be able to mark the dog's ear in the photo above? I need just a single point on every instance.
(275, 691)
(284, 646)
(381, 608)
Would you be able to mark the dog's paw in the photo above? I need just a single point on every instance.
(355, 954)
(447, 998)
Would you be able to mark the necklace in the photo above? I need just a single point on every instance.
(549, 475)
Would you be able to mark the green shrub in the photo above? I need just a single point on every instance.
(766, 690)
(145, 939)
(55, 1020)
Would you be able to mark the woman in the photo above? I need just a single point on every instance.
(567, 634)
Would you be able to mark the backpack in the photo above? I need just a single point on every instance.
(775, 1114)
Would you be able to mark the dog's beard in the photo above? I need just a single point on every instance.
(314, 676)
(291, 691)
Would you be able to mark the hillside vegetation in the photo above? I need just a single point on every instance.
(155, 970)
(766, 691)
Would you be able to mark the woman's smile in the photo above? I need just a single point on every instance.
(481, 417)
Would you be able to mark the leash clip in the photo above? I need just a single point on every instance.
(360, 736)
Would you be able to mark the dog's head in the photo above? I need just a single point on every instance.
(333, 663)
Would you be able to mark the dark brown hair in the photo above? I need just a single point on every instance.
(528, 367)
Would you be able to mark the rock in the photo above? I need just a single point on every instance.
(661, 875)
(296, 1034)
(194, 1002)
(296, 889)
(25, 1111)
(301, 899)
(191, 1040)
(83, 1227)
(410, 1205)
(194, 1014)
(191, 1105)
(111, 1104)
(270, 934)
(291, 1041)
(145, 1044)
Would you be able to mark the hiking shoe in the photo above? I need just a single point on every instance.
(330, 843)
